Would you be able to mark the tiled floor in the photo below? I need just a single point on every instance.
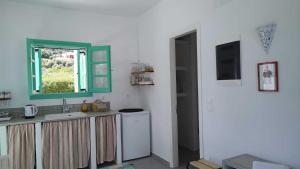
(150, 163)
(185, 156)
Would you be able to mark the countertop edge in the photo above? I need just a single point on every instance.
(41, 118)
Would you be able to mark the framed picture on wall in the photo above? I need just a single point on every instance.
(268, 76)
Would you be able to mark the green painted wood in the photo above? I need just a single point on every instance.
(29, 70)
(33, 67)
(58, 44)
(53, 44)
(73, 45)
(108, 66)
(109, 70)
(78, 71)
(81, 72)
(60, 95)
(39, 74)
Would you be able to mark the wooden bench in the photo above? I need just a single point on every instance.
(203, 164)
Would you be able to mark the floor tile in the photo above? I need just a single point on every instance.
(151, 163)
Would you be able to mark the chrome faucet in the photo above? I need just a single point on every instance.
(65, 107)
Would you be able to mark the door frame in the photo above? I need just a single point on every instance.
(174, 160)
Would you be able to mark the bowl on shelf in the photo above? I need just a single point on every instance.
(4, 116)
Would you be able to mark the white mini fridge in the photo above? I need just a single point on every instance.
(135, 133)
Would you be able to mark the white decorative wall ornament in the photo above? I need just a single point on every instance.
(266, 35)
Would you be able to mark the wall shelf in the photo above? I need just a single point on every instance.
(141, 72)
(3, 99)
(141, 75)
(141, 79)
(142, 84)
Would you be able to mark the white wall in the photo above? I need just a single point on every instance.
(155, 26)
(241, 119)
(245, 120)
(20, 21)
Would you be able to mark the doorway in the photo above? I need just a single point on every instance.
(187, 98)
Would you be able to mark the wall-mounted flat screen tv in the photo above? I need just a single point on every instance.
(228, 61)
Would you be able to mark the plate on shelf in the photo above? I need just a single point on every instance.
(4, 116)
(5, 119)
(146, 83)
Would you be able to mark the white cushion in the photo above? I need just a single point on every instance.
(264, 165)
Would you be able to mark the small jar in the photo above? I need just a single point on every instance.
(7, 95)
(84, 107)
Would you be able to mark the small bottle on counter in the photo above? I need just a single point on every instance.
(84, 107)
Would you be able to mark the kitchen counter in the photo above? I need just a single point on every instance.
(41, 118)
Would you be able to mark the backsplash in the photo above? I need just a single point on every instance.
(19, 112)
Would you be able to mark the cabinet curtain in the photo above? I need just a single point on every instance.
(4, 162)
(106, 138)
(21, 146)
(66, 144)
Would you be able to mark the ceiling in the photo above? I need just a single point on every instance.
(126, 8)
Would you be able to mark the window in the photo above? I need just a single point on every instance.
(59, 69)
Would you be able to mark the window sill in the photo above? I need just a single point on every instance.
(58, 96)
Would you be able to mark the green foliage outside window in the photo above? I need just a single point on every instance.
(58, 82)
(57, 71)
(60, 69)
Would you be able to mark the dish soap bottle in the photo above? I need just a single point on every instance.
(84, 107)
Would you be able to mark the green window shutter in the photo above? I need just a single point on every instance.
(36, 70)
(82, 75)
(77, 72)
(100, 70)
(32, 68)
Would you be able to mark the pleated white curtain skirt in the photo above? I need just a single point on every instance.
(66, 144)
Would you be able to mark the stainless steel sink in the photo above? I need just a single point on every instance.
(63, 116)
